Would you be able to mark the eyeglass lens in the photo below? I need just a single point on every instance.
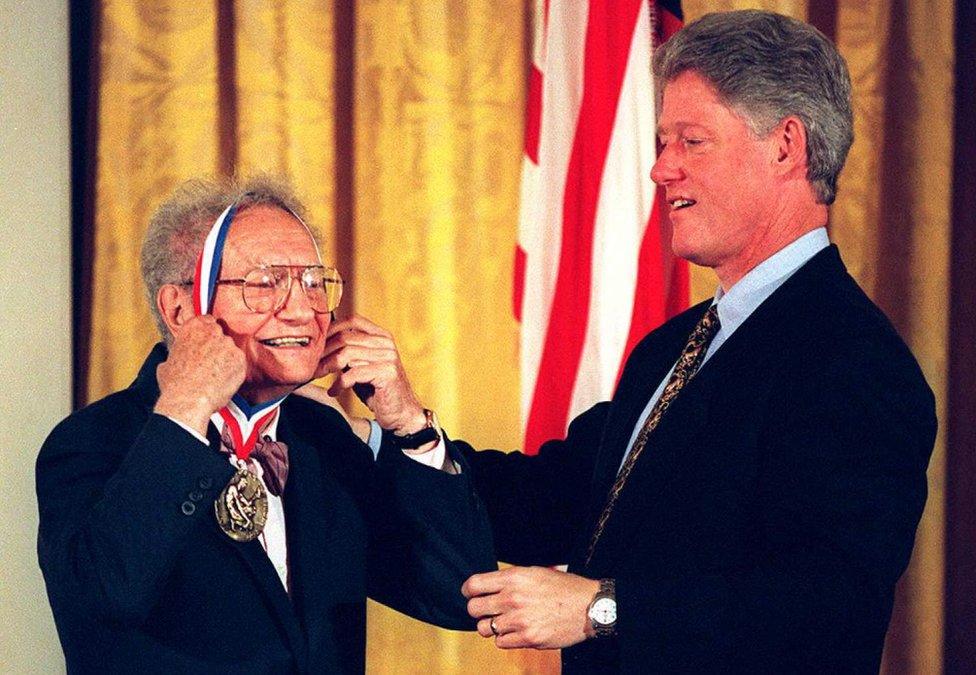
(265, 289)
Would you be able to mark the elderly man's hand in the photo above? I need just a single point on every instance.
(533, 607)
(203, 371)
(364, 357)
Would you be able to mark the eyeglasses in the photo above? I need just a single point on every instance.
(266, 288)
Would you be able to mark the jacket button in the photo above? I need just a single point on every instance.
(188, 508)
(195, 496)
(205, 483)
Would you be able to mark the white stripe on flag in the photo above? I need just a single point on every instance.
(623, 210)
(543, 186)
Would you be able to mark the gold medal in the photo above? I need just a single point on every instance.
(242, 506)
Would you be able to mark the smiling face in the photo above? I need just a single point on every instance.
(282, 348)
(719, 178)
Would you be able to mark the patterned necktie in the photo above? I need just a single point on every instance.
(688, 364)
(273, 456)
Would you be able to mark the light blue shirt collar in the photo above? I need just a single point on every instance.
(750, 291)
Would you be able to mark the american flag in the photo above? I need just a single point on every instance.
(593, 268)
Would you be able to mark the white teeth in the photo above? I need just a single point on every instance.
(284, 341)
(681, 203)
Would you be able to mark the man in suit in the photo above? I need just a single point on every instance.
(749, 497)
(193, 523)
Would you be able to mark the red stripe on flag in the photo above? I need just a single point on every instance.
(518, 289)
(533, 115)
(609, 34)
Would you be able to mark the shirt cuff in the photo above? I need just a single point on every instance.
(375, 438)
(191, 430)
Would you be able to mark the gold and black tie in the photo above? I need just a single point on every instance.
(688, 364)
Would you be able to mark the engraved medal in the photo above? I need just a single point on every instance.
(242, 506)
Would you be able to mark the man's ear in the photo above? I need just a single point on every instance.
(175, 304)
(790, 138)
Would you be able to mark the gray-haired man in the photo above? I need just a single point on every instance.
(193, 522)
(748, 499)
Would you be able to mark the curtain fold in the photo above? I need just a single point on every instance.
(400, 123)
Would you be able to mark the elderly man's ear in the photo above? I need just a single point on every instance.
(175, 305)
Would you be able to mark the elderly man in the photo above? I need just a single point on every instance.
(748, 499)
(191, 523)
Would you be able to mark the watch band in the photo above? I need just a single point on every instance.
(606, 595)
(428, 434)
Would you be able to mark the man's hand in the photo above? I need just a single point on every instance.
(533, 607)
(364, 357)
(203, 371)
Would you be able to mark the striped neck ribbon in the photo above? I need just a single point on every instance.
(243, 419)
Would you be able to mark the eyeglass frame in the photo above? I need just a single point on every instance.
(284, 297)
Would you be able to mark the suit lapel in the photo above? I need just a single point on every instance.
(644, 373)
(655, 468)
(309, 500)
(753, 350)
(254, 557)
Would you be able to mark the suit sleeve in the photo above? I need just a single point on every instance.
(537, 504)
(840, 493)
(114, 515)
(428, 533)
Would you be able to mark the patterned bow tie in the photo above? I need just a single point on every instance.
(272, 455)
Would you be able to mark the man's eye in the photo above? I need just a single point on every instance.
(693, 141)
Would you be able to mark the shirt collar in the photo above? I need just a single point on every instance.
(750, 291)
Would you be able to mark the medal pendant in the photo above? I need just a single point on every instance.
(242, 506)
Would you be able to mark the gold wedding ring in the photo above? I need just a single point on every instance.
(494, 628)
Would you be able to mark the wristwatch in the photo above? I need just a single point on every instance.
(430, 433)
(602, 611)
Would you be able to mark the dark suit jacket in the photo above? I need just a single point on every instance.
(141, 579)
(765, 525)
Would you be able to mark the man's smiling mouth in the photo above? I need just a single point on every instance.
(681, 203)
(302, 341)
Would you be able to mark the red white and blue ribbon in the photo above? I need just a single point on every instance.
(208, 263)
(245, 422)
(243, 419)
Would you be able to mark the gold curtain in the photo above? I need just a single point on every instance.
(405, 141)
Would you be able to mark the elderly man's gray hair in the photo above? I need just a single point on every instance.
(179, 226)
(767, 67)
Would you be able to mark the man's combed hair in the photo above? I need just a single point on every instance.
(767, 67)
(179, 226)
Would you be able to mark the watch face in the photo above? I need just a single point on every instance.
(604, 611)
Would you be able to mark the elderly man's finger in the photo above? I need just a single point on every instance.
(356, 323)
(356, 340)
(356, 356)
